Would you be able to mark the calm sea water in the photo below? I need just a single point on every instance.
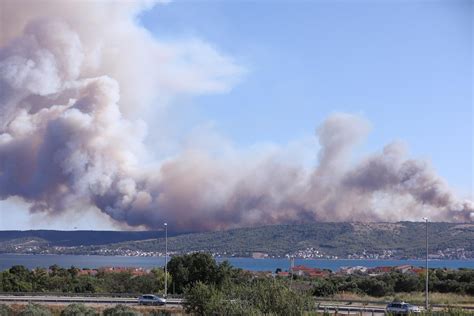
(32, 261)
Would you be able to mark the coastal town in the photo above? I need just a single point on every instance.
(307, 253)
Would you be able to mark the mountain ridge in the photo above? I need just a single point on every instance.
(312, 240)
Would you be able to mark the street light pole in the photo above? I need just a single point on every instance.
(426, 274)
(166, 259)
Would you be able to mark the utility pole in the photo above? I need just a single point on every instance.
(427, 273)
(166, 259)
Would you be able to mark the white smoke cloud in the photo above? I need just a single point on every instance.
(75, 77)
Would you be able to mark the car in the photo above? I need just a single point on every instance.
(402, 308)
(150, 299)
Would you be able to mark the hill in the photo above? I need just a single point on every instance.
(355, 240)
(316, 240)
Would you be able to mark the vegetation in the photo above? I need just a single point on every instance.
(79, 310)
(121, 310)
(220, 289)
(5, 310)
(57, 279)
(259, 297)
(188, 270)
(441, 280)
(35, 310)
(333, 239)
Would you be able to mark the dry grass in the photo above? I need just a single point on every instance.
(414, 298)
(56, 309)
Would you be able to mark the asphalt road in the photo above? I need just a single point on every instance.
(64, 300)
(340, 306)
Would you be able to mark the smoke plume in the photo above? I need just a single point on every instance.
(74, 78)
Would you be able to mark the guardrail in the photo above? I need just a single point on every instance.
(124, 298)
(69, 294)
(69, 299)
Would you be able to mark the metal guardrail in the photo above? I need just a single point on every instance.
(384, 303)
(64, 299)
(124, 298)
(70, 294)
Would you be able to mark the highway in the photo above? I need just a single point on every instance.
(64, 300)
(330, 306)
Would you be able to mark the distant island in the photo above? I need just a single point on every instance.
(402, 240)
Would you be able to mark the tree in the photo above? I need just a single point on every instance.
(372, 286)
(202, 299)
(407, 283)
(190, 269)
(324, 288)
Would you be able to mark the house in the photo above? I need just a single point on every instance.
(379, 270)
(351, 270)
(404, 268)
(91, 272)
(301, 270)
(133, 271)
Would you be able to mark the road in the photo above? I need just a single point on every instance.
(340, 306)
(64, 300)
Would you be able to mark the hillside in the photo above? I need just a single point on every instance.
(323, 240)
(404, 239)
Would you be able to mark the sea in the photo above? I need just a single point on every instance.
(266, 264)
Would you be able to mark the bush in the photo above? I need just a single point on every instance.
(5, 310)
(266, 297)
(324, 288)
(159, 312)
(202, 299)
(121, 310)
(35, 310)
(78, 310)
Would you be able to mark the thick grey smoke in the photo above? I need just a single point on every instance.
(74, 78)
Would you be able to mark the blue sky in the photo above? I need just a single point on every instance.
(404, 65)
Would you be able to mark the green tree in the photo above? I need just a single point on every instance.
(372, 286)
(407, 283)
(324, 288)
(202, 299)
(190, 269)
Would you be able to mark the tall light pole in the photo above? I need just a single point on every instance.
(166, 259)
(426, 274)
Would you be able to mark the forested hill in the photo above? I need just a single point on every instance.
(403, 239)
(323, 240)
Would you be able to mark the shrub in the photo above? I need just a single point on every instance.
(78, 310)
(202, 299)
(5, 310)
(324, 288)
(121, 310)
(159, 312)
(35, 310)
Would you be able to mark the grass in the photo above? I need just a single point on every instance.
(56, 309)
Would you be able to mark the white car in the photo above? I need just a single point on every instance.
(150, 299)
(399, 308)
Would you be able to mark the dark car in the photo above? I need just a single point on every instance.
(150, 299)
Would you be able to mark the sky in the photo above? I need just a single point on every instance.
(405, 66)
